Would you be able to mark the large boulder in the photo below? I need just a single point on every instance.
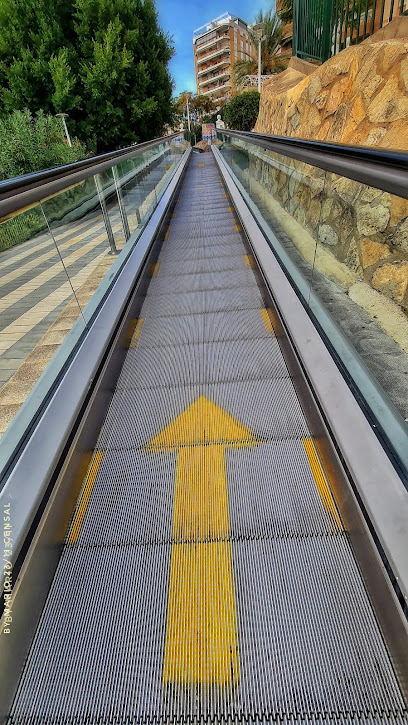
(359, 97)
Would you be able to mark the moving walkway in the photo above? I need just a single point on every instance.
(208, 556)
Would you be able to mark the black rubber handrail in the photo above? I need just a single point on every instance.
(45, 175)
(22, 191)
(381, 168)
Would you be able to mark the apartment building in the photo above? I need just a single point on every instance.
(217, 45)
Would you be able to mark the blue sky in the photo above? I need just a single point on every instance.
(180, 17)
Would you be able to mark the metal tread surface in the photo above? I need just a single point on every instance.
(206, 576)
(225, 279)
(210, 327)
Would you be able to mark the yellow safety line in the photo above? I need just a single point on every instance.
(249, 261)
(275, 321)
(267, 321)
(237, 228)
(230, 208)
(86, 494)
(154, 269)
(166, 236)
(321, 482)
(225, 196)
(132, 327)
(173, 214)
(201, 164)
(136, 334)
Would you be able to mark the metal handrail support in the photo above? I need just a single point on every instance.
(382, 169)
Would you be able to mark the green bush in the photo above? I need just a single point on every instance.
(241, 113)
(31, 143)
(22, 227)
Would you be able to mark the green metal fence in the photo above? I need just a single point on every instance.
(322, 28)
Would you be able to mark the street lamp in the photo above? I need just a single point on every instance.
(188, 119)
(63, 116)
(258, 29)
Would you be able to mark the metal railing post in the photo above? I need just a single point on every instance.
(122, 210)
(327, 30)
(109, 232)
(295, 27)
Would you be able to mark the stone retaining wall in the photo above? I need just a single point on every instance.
(361, 227)
(359, 97)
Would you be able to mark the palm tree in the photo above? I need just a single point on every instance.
(286, 11)
(271, 60)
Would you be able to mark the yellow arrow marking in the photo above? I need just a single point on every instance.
(201, 637)
(202, 423)
(201, 164)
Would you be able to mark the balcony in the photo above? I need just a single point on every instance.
(211, 42)
(210, 68)
(220, 101)
(222, 49)
(216, 89)
(212, 79)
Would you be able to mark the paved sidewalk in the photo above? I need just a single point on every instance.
(46, 281)
(35, 287)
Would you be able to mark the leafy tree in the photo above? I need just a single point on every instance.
(105, 62)
(199, 107)
(241, 113)
(202, 106)
(30, 143)
(271, 60)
